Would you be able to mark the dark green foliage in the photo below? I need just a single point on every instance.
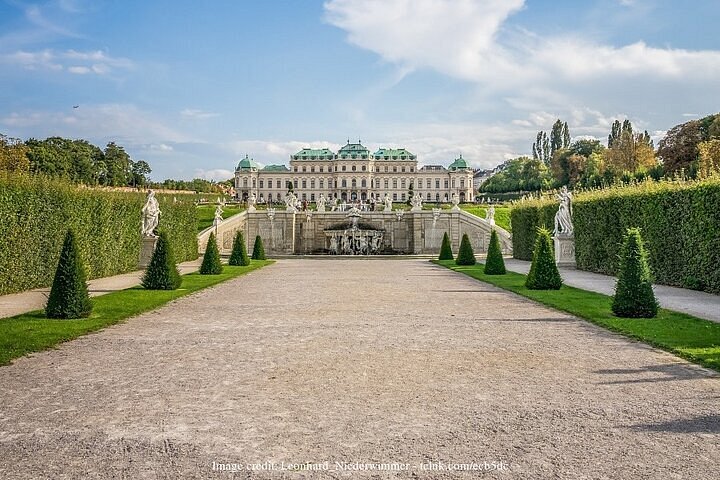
(494, 264)
(211, 261)
(525, 220)
(239, 254)
(69, 297)
(543, 273)
(634, 296)
(466, 256)
(446, 249)
(35, 213)
(162, 273)
(258, 249)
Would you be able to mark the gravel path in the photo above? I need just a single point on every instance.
(363, 363)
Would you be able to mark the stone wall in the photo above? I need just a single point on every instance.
(412, 233)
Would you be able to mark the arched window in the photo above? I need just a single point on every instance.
(428, 196)
(363, 183)
(245, 182)
(344, 183)
(354, 183)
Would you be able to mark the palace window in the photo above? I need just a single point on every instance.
(446, 183)
(312, 197)
(343, 168)
(437, 183)
(403, 197)
(312, 169)
(402, 184)
(304, 183)
(322, 183)
(377, 169)
(344, 183)
(353, 168)
(294, 169)
(428, 196)
(462, 183)
(387, 183)
(363, 184)
(304, 197)
(312, 183)
(453, 183)
(262, 184)
(254, 182)
(402, 169)
(437, 197)
(321, 169)
(354, 183)
(363, 168)
(394, 182)
(394, 169)
(428, 183)
(304, 169)
(386, 168)
(278, 184)
(412, 169)
(245, 182)
(394, 197)
(377, 183)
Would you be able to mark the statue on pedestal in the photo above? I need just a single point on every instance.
(291, 202)
(320, 204)
(388, 203)
(151, 215)
(416, 203)
(252, 200)
(218, 216)
(490, 215)
(563, 217)
(455, 200)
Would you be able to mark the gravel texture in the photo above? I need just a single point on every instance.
(361, 362)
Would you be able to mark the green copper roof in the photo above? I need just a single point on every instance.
(353, 148)
(275, 168)
(247, 163)
(393, 154)
(314, 154)
(459, 164)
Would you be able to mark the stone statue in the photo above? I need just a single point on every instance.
(291, 202)
(150, 215)
(563, 217)
(333, 244)
(334, 204)
(416, 202)
(252, 200)
(388, 203)
(490, 215)
(455, 200)
(218, 216)
(320, 204)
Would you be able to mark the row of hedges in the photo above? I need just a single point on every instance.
(35, 213)
(679, 222)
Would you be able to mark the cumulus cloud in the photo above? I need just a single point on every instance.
(218, 174)
(469, 39)
(194, 114)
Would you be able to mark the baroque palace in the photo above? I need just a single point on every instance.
(353, 173)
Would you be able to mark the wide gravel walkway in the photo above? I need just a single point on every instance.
(361, 362)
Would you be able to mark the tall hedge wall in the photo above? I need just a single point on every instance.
(35, 213)
(524, 219)
(679, 222)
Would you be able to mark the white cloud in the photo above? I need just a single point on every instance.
(216, 175)
(72, 61)
(467, 39)
(193, 114)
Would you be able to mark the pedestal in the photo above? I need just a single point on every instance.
(565, 251)
(251, 209)
(455, 208)
(147, 247)
(416, 208)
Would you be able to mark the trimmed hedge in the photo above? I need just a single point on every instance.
(162, 273)
(680, 224)
(258, 249)
(446, 249)
(35, 213)
(494, 263)
(465, 256)
(69, 296)
(211, 264)
(543, 274)
(239, 256)
(634, 296)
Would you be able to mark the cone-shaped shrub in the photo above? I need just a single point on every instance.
(258, 249)
(466, 256)
(69, 297)
(211, 261)
(446, 249)
(239, 256)
(634, 296)
(494, 264)
(162, 273)
(544, 273)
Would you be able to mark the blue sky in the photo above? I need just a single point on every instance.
(193, 86)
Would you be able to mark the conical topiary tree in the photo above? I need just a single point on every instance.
(162, 273)
(494, 263)
(211, 260)
(446, 249)
(544, 274)
(239, 254)
(258, 249)
(634, 296)
(466, 256)
(69, 297)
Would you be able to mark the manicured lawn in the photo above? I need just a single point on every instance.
(206, 215)
(32, 332)
(502, 214)
(689, 337)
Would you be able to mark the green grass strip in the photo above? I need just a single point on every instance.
(692, 338)
(32, 332)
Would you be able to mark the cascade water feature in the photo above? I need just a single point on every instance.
(351, 238)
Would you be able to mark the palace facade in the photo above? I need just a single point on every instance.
(353, 173)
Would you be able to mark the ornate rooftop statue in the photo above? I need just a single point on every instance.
(563, 217)
(150, 215)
